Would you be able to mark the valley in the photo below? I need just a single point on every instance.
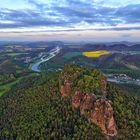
(50, 87)
(52, 57)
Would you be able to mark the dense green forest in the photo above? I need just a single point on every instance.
(34, 109)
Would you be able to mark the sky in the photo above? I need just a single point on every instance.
(70, 20)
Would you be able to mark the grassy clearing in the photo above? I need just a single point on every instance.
(15, 54)
(96, 54)
(70, 55)
(5, 88)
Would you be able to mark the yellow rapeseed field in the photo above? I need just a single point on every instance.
(96, 54)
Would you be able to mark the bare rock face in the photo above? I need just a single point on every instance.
(87, 104)
(96, 108)
(76, 99)
(97, 111)
(102, 116)
(65, 89)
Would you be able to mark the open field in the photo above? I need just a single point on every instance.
(15, 54)
(6, 87)
(96, 54)
(90, 54)
(70, 55)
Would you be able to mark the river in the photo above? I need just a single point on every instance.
(116, 78)
(52, 53)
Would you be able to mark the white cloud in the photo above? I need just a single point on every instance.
(14, 4)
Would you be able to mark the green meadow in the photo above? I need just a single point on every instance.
(70, 55)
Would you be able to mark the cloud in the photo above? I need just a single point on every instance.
(126, 35)
(119, 28)
(129, 13)
(27, 18)
(71, 13)
(36, 4)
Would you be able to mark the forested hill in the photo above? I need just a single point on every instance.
(44, 111)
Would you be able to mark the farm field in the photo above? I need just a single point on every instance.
(90, 54)
(96, 54)
(70, 55)
(15, 54)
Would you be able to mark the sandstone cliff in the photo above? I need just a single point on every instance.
(96, 108)
(65, 89)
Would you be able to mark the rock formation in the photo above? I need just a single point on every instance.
(76, 99)
(96, 108)
(102, 116)
(87, 103)
(65, 89)
(98, 111)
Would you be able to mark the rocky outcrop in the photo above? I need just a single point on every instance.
(65, 89)
(98, 111)
(87, 104)
(76, 99)
(102, 116)
(96, 108)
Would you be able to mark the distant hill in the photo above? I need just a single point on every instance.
(111, 47)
